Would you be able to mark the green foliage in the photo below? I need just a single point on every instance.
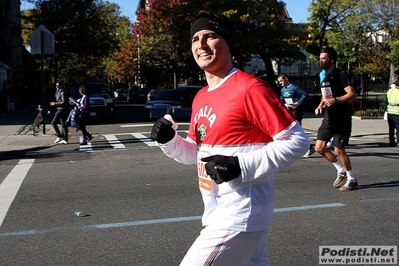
(93, 42)
(326, 15)
(164, 31)
(361, 31)
(394, 55)
(370, 112)
(85, 33)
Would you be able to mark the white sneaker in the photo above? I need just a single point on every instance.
(308, 153)
(57, 140)
(340, 180)
(63, 142)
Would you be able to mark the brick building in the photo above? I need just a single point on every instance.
(11, 54)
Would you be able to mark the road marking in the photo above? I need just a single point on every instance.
(149, 124)
(309, 207)
(144, 139)
(86, 148)
(157, 221)
(116, 144)
(11, 184)
(136, 125)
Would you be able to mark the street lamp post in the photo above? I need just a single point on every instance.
(138, 61)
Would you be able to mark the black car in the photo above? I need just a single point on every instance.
(191, 90)
(177, 100)
(138, 94)
(151, 95)
(101, 102)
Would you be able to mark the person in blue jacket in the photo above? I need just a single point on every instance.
(293, 98)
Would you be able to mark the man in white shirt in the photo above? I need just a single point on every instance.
(240, 135)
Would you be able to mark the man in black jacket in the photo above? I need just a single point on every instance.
(61, 102)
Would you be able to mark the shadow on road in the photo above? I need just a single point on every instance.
(380, 185)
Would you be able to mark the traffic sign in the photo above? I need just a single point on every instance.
(42, 37)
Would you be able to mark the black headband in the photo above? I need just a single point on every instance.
(225, 30)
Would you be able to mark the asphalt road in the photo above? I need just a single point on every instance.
(144, 208)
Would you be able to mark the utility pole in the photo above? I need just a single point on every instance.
(138, 61)
(42, 42)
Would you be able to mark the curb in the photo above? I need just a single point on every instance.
(366, 117)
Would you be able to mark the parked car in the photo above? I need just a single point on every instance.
(120, 94)
(101, 102)
(177, 100)
(138, 94)
(191, 89)
(151, 95)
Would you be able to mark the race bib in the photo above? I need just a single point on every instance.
(205, 183)
(288, 102)
(326, 93)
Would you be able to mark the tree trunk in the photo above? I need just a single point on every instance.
(393, 75)
(270, 71)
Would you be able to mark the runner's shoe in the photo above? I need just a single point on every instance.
(309, 153)
(340, 180)
(63, 141)
(57, 140)
(89, 138)
(349, 186)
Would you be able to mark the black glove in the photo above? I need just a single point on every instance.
(222, 168)
(162, 131)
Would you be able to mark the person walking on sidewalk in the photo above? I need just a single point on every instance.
(293, 97)
(240, 135)
(392, 108)
(337, 92)
(62, 104)
(84, 108)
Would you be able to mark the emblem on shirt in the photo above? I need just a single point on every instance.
(201, 132)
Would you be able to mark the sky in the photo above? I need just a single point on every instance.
(297, 9)
(128, 7)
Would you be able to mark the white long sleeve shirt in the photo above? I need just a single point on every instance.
(240, 117)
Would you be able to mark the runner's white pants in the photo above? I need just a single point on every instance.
(225, 247)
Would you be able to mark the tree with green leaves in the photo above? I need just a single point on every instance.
(119, 65)
(260, 30)
(394, 55)
(159, 48)
(85, 33)
(363, 32)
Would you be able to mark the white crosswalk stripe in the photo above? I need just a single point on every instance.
(116, 141)
(144, 139)
(86, 148)
(112, 139)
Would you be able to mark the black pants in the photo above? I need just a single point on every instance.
(393, 123)
(83, 123)
(298, 113)
(60, 116)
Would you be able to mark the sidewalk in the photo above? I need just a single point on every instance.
(376, 129)
(15, 134)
